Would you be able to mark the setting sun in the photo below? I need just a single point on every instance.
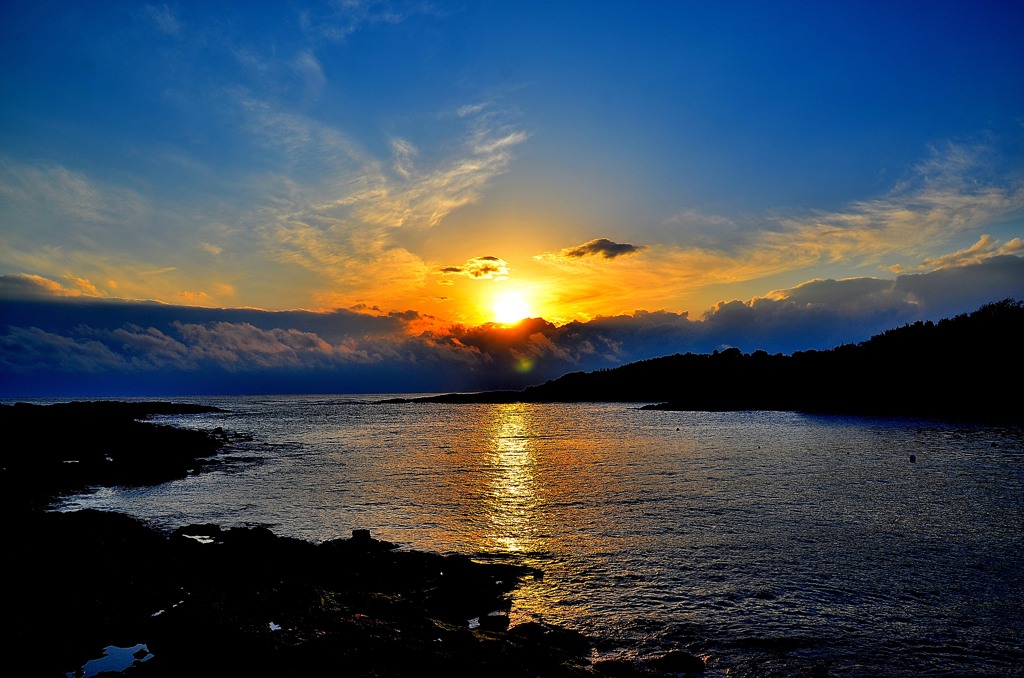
(509, 308)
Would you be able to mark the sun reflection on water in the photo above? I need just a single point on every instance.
(520, 462)
(512, 497)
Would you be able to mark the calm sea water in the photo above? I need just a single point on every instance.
(768, 543)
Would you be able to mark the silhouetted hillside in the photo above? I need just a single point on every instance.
(967, 367)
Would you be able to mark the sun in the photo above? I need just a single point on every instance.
(509, 308)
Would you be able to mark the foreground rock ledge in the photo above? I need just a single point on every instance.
(207, 601)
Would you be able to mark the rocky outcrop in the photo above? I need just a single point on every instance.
(54, 450)
(207, 601)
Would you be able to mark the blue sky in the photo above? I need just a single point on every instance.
(637, 178)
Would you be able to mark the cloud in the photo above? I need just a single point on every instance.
(245, 346)
(85, 345)
(952, 193)
(65, 225)
(424, 197)
(55, 190)
(944, 201)
(151, 347)
(195, 297)
(699, 228)
(342, 224)
(164, 20)
(489, 145)
(470, 109)
(341, 19)
(600, 247)
(308, 67)
(28, 350)
(404, 157)
(986, 247)
(486, 268)
(296, 211)
(949, 197)
(26, 286)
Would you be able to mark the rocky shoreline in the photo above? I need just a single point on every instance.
(209, 601)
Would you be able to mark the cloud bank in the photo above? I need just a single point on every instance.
(55, 343)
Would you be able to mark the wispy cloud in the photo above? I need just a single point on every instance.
(470, 109)
(308, 67)
(341, 19)
(343, 227)
(164, 19)
(423, 197)
(58, 191)
(986, 247)
(950, 196)
(945, 200)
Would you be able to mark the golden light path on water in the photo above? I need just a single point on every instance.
(513, 497)
(511, 474)
(528, 486)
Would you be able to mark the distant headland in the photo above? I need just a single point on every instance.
(968, 368)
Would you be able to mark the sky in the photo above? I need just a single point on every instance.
(369, 196)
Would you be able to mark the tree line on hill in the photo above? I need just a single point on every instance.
(969, 367)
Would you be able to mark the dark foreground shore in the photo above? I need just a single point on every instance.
(207, 601)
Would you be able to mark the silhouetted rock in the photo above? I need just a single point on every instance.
(679, 662)
(211, 601)
(563, 642)
(621, 668)
(54, 450)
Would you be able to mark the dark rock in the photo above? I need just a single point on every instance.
(620, 668)
(250, 602)
(678, 661)
(570, 642)
(64, 448)
(494, 622)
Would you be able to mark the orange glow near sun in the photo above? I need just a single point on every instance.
(509, 307)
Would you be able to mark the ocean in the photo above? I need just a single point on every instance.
(769, 543)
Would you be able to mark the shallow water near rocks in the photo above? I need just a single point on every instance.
(768, 543)
(114, 660)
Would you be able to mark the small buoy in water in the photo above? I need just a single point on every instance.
(913, 458)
